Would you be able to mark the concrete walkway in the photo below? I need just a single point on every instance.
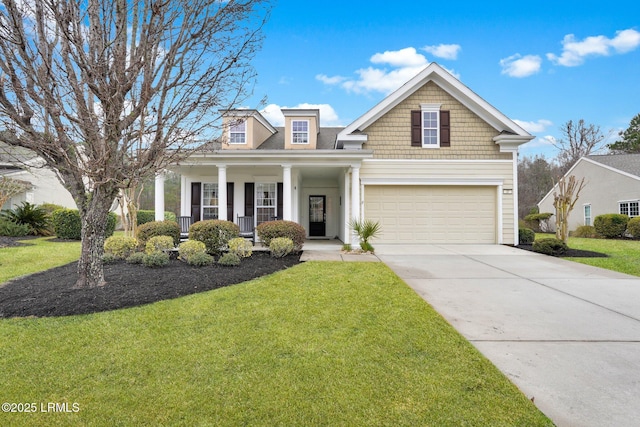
(567, 334)
(331, 250)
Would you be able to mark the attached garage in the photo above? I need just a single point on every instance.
(433, 214)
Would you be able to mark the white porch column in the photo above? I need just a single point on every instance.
(222, 192)
(159, 197)
(286, 189)
(184, 209)
(355, 200)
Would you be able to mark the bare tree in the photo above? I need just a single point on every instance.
(579, 140)
(564, 198)
(536, 176)
(10, 187)
(108, 92)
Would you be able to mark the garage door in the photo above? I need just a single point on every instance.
(432, 214)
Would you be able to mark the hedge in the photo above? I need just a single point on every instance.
(67, 224)
(270, 230)
(611, 225)
(214, 233)
(158, 228)
(147, 215)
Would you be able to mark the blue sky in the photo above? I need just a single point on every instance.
(540, 63)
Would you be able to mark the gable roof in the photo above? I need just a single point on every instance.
(629, 163)
(435, 73)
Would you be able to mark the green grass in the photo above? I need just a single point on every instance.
(346, 344)
(39, 254)
(624, 255)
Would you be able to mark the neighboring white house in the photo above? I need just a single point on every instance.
(433, 163)
(612, 185)
(45, 187)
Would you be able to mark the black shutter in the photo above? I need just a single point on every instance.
(196, 193)
(279, 200)
(416, 128)
(249, 197)
(230, 201)
(445, 129)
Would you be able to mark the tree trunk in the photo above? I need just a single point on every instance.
(94, 221)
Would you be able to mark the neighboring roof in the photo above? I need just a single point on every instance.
(10, 155)
(453, 86)
(629, 163)
(326, 139)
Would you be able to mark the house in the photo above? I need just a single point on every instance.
(432, 162)
(44, 186)
(612, 185)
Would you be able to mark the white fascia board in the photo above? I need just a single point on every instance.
(278, 156)
(510, 143)
(434, 181)
(251, 113)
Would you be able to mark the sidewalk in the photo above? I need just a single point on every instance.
(331, 250)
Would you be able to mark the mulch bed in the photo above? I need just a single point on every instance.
(573, 253)
(50, 293)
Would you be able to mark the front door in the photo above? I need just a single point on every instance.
(317, 216)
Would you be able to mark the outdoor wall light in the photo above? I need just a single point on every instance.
(507, 191)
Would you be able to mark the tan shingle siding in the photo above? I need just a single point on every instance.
(471, 137)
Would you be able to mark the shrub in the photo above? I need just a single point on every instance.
(241, 247)
(190, 248)
(229, 259)
(30, 215)
(120, 246)
(136, 258)
(214, 233)
(11, 229)
(200, 259)
(109, 258)
(526, 236)
(633, 227)
(158, 244)
(281, 246)
(610, 226)
(346, 247)
(156, 259)
(66, 224)
(270, 230)
(550, 246)
(145, 215)
(158, 228)
(585, 231)
(366, 247)
(538, 221)
(365, 229)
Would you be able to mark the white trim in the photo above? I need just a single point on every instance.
(418, 161)
(430, 108)
(584, 216)
(242, 132)
(250, 113)
(300, 132)
(514, 192)
(500, 209)
(488, 182)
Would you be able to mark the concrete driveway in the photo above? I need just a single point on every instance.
(567, 334)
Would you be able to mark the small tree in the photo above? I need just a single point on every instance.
(564, 198)
(10, 187)
(629, 141)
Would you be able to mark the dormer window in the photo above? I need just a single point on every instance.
(238, 133)
(300, 131)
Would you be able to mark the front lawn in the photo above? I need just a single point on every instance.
(624, 255)
(320, 343)
(36, 255)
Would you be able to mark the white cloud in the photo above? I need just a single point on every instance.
(574, 52)
(534, 127)
(402, 64)
(328, 116)
(445, 51)
(520, 66)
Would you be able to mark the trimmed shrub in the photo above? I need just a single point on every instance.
(120, 246)
(241, 247)
(30, 215)
(108, 258)
(270, 230)
(585, 231)
(633, 227)
(538, 221)
(229, 260)
(550, 246)
(610, 226)
(526, 236)
(158, 244)
(200, 259)
(146, 215)
(136, 258)
(156, 259)
(11, 229)
(190, 248)
(214, 233)
(66, 224)
(281, 246)
(158, 228)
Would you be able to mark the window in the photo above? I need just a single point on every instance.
(238, 133)
(587, 214)
(265, 202)
(430, 127)
(300, 131)
(209, 201)
(629, 208)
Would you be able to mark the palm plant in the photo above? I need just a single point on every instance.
(365, 229)
(33, 216)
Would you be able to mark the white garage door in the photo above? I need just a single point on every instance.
(432, 214)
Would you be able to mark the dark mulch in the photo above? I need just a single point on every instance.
(573, 253)
(50, 293)
(10, 242)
